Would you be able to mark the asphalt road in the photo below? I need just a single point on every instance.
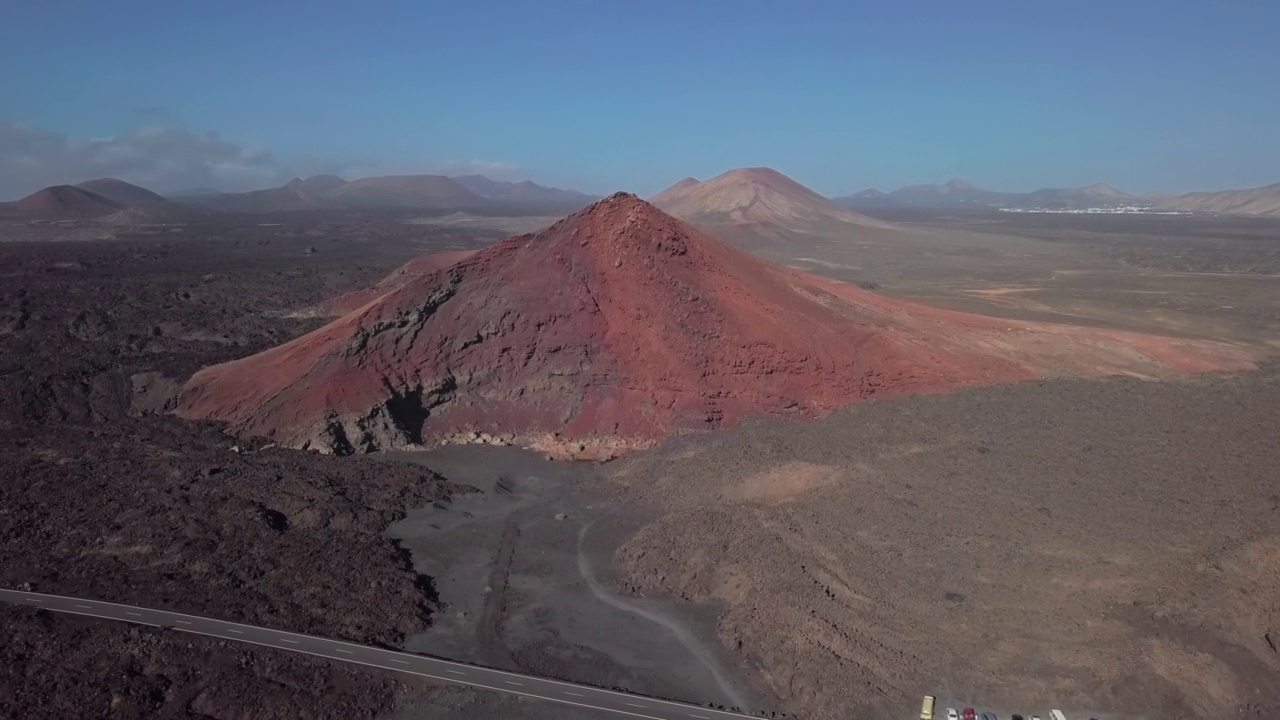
(607, 701)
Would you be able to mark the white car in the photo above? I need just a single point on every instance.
(952, 714)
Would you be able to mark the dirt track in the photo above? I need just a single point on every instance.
(527, 581)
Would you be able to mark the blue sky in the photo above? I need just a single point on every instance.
(606, 95)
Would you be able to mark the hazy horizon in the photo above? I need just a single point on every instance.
(597, 98)
(195, 189)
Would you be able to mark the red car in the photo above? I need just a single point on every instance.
(969, 714)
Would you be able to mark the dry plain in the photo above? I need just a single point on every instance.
(1109, 546)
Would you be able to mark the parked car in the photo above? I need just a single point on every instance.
(969, 714)
(926, 708)
(1016, 716)
(988, 716)
(952, 714)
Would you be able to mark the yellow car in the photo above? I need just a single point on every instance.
(926, 708)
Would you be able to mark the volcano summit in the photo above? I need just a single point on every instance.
(619, 326)
(757, 195)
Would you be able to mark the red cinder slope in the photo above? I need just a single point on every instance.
(608, 331)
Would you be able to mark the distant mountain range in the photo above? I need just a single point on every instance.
(423, 192)
(113, 200)
(957, 194)
(870, 199)
(960, 194)
(759, 197)
(122, 193)
(523, 192)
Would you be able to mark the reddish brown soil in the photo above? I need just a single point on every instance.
(64, 202)
(619, 326)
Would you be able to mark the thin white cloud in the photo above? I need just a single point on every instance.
(169, 160)
(158, 158)
(493, 169)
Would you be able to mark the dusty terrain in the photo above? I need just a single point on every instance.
(1110, 547)
(1105, 546)
(1194, 277)
(101, 501)
(956, 194)
(618, 327)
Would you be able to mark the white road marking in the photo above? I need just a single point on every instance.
(238, 632)
(703, 717)
(634, 705)
(402, 662)
(34, 600)
(456, 672)
(344, 651)
(295, 642)
(509, 682)
(134, 614)
(86, 607)
(566, 692)
(182, 622)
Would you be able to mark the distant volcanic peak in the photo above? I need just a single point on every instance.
(121, 192)
(758, 174)
(66, 201)
(756, 195)
(1105, 189)
(762, 176)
